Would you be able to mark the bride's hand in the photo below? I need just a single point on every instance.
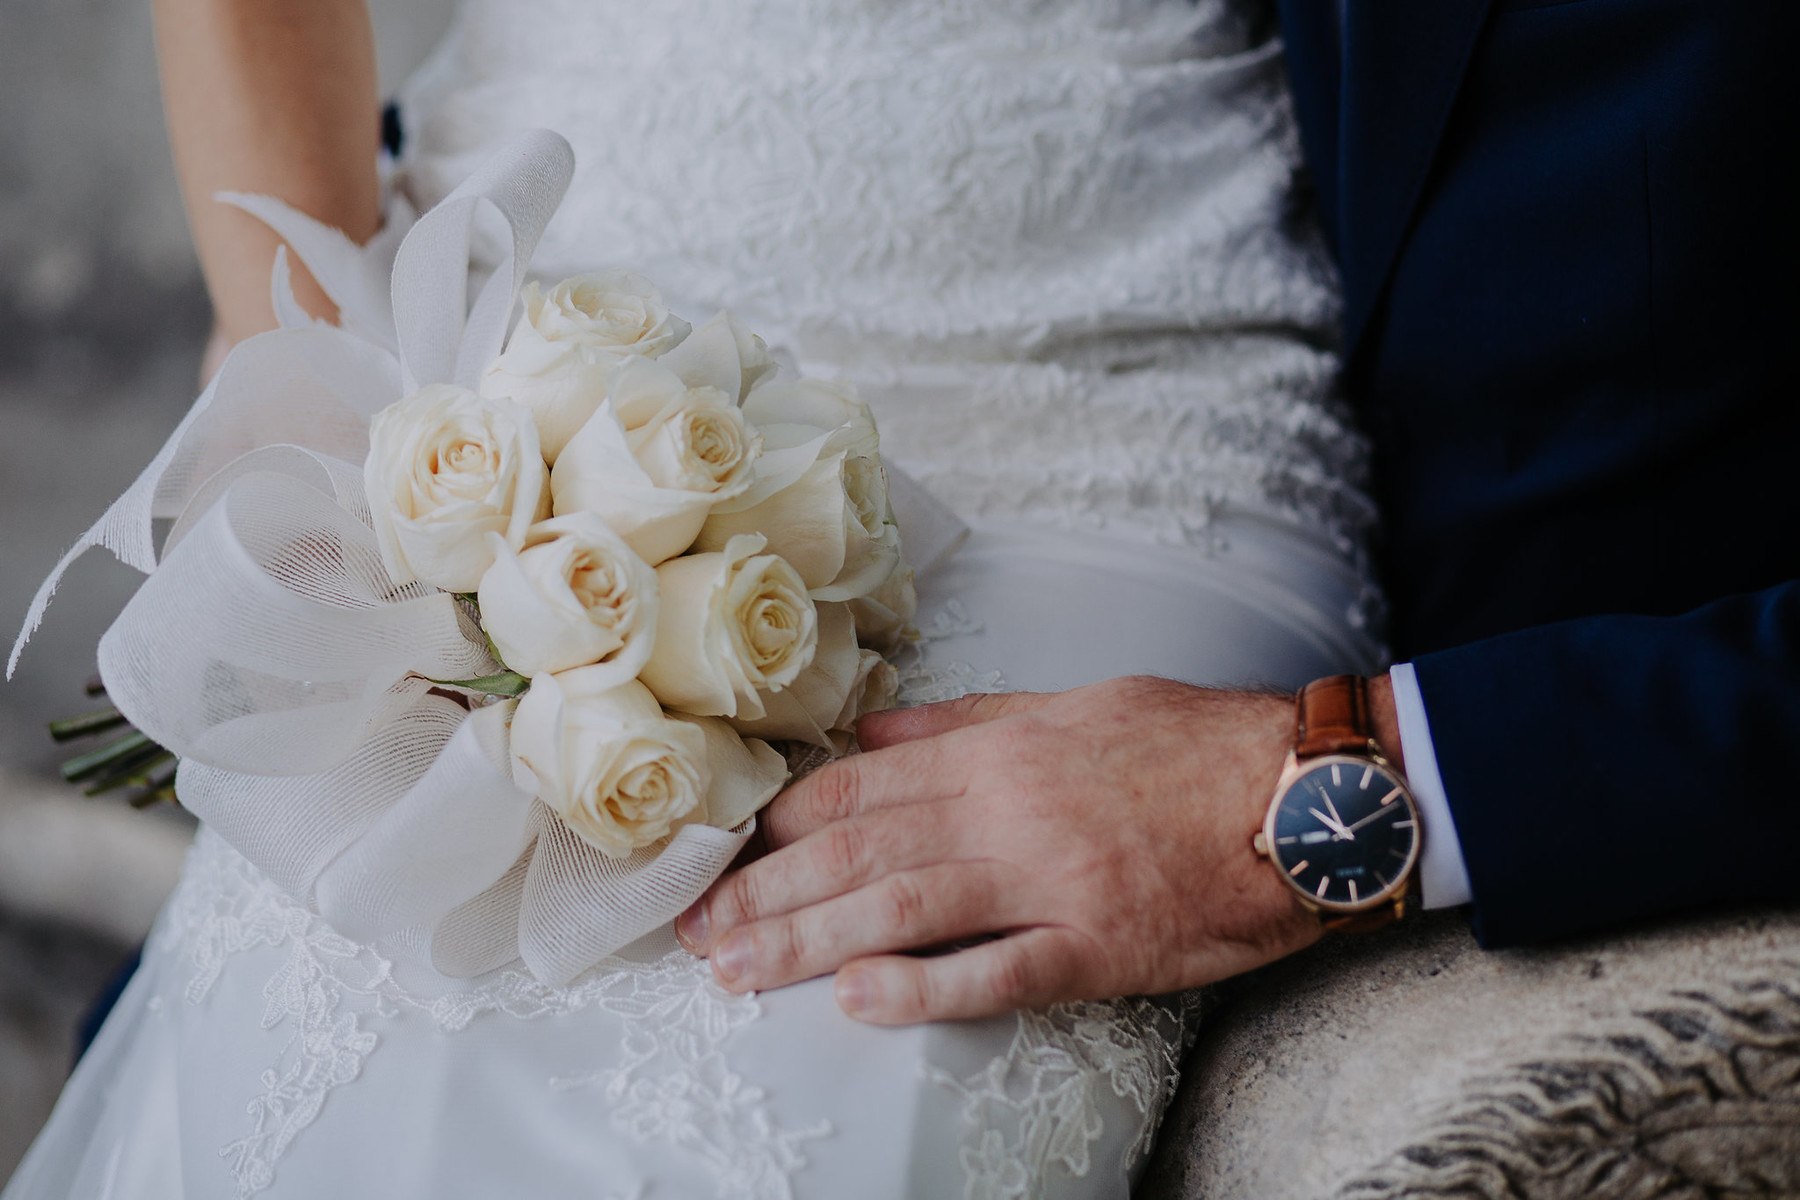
(1104, 833)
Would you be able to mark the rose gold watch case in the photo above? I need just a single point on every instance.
(1291, 772)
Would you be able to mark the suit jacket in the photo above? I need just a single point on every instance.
(1568, 235)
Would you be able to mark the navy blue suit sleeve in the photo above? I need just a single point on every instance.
(1616, 767)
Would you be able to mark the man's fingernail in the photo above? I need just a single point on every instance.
(857, 991)
(731, 958)
(690, 928)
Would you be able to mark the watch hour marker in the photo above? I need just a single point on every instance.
(1352, 891)
(1406, 824)
(1324, 883)
(1299, 867)
(1382, 879)
(1397, 852)
(1368, 774)
(1337, 780)
(1286, 841)
(1391, 796)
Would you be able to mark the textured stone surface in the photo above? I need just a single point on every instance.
(1659, 1062)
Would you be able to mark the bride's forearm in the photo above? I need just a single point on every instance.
(271, 96)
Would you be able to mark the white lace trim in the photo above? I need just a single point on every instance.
(1037, 1107)
(921, 683)
(674, 1082)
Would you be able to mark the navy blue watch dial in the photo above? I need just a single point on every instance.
(1345, 832)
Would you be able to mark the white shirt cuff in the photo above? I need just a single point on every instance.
(1443, 877)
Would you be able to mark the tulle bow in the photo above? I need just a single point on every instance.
(273, 652)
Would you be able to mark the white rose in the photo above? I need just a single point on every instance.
(722, 353)
(570, 339)
(820, 494)
(822, 705)
(447, 467)
(885, 614)
(822, 404)
(655, 459)
(575, 595)
(747, 773)
(731, 624)
(607, 760)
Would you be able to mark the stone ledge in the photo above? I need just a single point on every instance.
(1661, 1061)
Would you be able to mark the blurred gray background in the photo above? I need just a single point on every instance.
(102, 319)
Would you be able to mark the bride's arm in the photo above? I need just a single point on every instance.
(271, 96)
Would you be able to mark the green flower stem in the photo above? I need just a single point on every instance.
(137, 771)
(94, 761)
(70, 728)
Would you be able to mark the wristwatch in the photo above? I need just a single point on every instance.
(1343, 828)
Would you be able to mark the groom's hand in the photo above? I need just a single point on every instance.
(1103, 834)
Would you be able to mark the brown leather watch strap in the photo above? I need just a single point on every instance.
(1333, 718)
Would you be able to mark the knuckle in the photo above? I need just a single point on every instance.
(918, 995)
(1010, 978)
(791, 945)
(838, 789)
(903, 906)
(844, 851)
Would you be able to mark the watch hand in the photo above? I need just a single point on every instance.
(1378, 812)
(1326, 797)
(1336, 827)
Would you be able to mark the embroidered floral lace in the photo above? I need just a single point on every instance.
(1054, 241)
(673, 1082)
(1033, 1109)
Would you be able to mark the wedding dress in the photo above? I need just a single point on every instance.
(1053, 242)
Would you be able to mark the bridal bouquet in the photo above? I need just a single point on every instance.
(664, 548)
(478, 643)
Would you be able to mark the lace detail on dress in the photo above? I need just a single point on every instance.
(1037, 1106)
(675, 1084)
(922, 682)
(673, 1081)
(1157, 439)
(225, 907)
(1058, 243)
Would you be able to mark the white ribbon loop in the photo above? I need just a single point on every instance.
(460, 827)
(272, 639)
(579, 905)
(314, 387)
(354, 277)
(274, 653)
(442, 339)
(293, 827)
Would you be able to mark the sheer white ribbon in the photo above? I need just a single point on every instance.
(272, 651)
